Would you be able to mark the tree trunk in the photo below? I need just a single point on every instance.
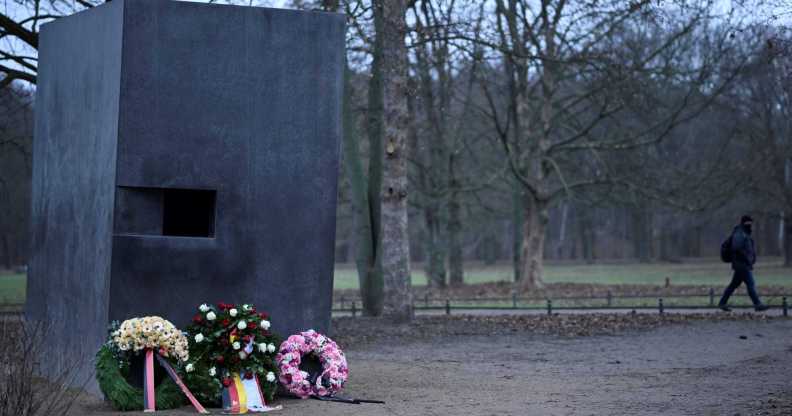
(395, 238)
(455, 257)
(365, 222)
(7, 261)
(435, 262)
(641, 235)
(517, 232)
(586, 235)
(788, 245)
(534, 228)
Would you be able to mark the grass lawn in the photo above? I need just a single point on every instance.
(696, 272)
(12, 288)
(707, 272)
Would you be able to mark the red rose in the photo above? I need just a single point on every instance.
(220, 359)
(246, 338)
(225, 322)
(197, 318)
(263, 315)
(251, 325)
(226, 381)
(249, 375)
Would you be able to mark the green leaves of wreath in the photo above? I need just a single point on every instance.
(111, 375)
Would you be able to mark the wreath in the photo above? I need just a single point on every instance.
(296, 373)
(228, 339)
(127, 342)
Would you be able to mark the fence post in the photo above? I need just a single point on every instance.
(610, 299)
(342, 301)
(354, 309)
(549, 307)
(426, 300)
(786, 307)
(660, 305)
(514, 300)
(448, 307)
(712, 297)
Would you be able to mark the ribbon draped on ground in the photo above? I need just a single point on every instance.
(149, 400)
(244, 395)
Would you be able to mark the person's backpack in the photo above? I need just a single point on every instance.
(726, 253)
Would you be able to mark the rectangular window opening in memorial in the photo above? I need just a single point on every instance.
(175, 212)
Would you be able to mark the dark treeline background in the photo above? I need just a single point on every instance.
(538, 130)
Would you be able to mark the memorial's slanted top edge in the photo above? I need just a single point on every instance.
(273, 10)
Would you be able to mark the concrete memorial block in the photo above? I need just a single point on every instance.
(184, 153)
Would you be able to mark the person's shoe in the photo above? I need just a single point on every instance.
(761, 308)
(724, 308)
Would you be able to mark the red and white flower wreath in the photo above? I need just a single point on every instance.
(334, 371)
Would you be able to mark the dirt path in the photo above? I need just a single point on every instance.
(701, 368)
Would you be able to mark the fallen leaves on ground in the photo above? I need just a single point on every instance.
(352, 332)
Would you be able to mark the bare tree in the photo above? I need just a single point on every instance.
(565, 79)
(395, 239)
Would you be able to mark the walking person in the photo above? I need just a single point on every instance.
(743, 257)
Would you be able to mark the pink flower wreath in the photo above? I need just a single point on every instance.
(334, 365)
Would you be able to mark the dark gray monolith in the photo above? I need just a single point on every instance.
(184, 153)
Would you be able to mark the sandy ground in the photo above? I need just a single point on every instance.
(700, 368)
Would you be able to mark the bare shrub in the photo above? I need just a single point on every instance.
(23, 390)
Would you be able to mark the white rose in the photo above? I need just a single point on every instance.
(242, 355)
(265, 325)
(233, 312)
(199, 337)
(203, 308)
(236, 345)
(211, 316)
(270, 376)
(212, 371)
(242, 325)
(271, 347)
(262, 347)
(189, 368)
(246, 307)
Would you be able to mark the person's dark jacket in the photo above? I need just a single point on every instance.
(743, 249)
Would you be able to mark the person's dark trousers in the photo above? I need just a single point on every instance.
(741, 275)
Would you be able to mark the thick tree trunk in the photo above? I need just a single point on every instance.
(455, 256)
(534, 234)
(365, 222)
(395, 238)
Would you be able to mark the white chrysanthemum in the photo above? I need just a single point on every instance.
(189, 368)
(270, 376)
(199, 337)
(271, 347)
(233, 312)
(242, 325)
(236, 345)
(265, 324)
(212, 371)
(262, 347)
(211, 316)
(203, 308)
